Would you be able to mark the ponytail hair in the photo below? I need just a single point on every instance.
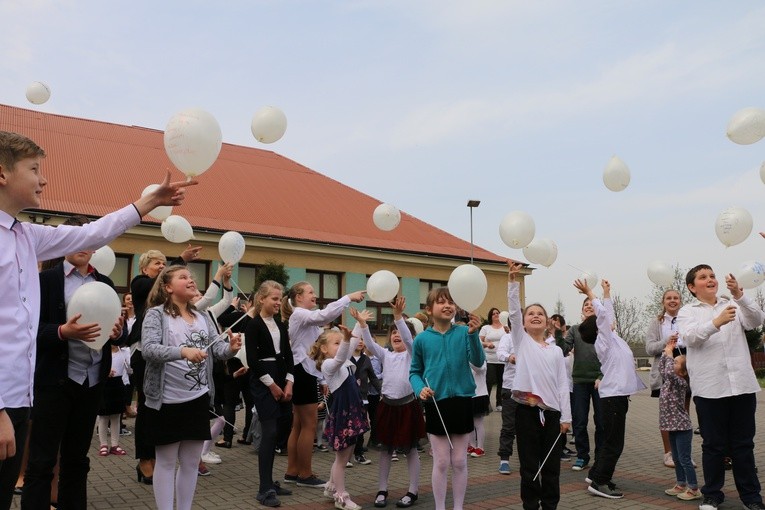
(159, 295)
(288, 301)
(264, 290)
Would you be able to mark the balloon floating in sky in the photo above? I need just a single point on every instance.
(268, 124)
(762, 172)
(38, 92)
(468, 285)
(517, 229)
(503, 316)
(747, 126)
(382, 286)
(231, 247)
(386, 217)
(161, 212)
(177, 229)
(97, 302)
(192, 141)
(616, 175)
(541, 251)
(751, 274)
(733, 226)
(104, 260)
(661, 273)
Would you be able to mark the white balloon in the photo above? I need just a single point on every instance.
(177, 229)
(541, 251)
(468, 285)
(747, 126)
(104, 260)
(417, 324)
(751, 274)
(517, 229)
(503, 316)
(192, 141)
(733, 226)
(382, 286)
(38, 92)
(616, 175)
(98, 303)
(242, 354)
(386, 217)
(231, 247)
(762, 172)
(591, 277)
(661, 273)
(163, 211)
(268, 124)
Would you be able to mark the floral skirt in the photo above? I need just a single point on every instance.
(347, 417)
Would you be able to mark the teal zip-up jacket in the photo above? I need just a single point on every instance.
(442, 359)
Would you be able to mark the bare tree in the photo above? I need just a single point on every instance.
(759, 298)
(559, 308)
(629, 315)
(657, 291)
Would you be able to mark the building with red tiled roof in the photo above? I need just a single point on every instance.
(319, 228)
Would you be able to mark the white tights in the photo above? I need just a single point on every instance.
(412, 462)
(478, 437)
(112, 423)
(215, 429)
(183, 483)
(443, 457)
(337, 474)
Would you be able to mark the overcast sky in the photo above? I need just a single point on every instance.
(427, 104)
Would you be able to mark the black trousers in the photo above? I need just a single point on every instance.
(63, 418)
(534, 440)
(727, 428)
(613, 415)
(232, 387)
(507, 433)
(9, 468)
(494, 373)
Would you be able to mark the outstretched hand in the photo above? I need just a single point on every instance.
(583, 288)
(168, 193)
(361, 316)
(398, 305)
(513, 268)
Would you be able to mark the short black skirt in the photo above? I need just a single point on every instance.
(304, 388)
(457, 413)
(187, 421)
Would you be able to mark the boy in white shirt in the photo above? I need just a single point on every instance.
(619, 382)
(723, 383)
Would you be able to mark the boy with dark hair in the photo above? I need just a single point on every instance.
(21, 184)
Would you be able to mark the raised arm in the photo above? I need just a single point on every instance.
(331, 312)
(514, 304)
(401, 325)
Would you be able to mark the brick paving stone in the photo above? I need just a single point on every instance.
(234, 483)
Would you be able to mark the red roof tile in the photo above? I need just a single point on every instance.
(119, 161)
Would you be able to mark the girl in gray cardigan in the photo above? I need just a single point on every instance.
(176, 341)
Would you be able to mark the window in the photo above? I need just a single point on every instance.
(120, 275)
(246, 280)
(326, 286)
(382, 317)
(200, 271)
(425, 288)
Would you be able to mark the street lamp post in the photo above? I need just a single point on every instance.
(471, 205)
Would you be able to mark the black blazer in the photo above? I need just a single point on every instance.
(51, 367)
(260, 345)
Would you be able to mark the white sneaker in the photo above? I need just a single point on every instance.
(329, 491)
(211, 458)
(668, 461)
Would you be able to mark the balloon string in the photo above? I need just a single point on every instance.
(246, 297)
(225, 332)
(578, 269)
(451, 446)
(548, 455)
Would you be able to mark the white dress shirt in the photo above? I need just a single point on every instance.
(21, 246)
(719, 363)
(617, 363)
(505, 349)
(305, 328)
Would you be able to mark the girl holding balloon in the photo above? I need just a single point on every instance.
(541, 389)
(305, 326)
(440, 375)
(176, 341)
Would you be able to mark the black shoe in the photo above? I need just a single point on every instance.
(148, 480)
(708, 504)
(605, 490)
(268, 498)
(381, 503)
(281, 491)
(408, 500)
(222, 443)
(755, 506)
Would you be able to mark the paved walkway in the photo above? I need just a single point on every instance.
(233, 484)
